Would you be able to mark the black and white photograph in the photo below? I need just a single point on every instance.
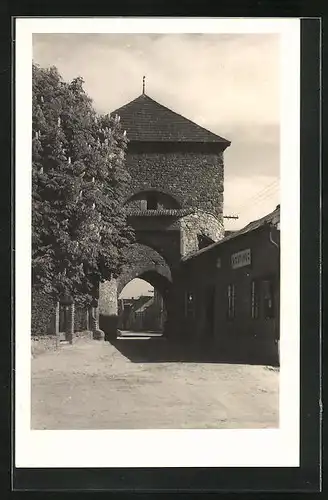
(160, 181)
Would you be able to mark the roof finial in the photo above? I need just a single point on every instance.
(143, 84)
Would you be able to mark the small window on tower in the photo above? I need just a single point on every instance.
(152, 202)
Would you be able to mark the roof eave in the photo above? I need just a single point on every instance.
(267, 223)
(220, 146)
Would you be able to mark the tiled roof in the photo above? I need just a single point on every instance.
(177, 212)
(148, 121)
(271, 218)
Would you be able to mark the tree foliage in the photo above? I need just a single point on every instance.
(79, 230)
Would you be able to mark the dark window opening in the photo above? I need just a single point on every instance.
(255, 299)
(152, 202)
(268, 299)
(203, 241)
(231, 301)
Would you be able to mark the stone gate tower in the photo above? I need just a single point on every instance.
(175, 203)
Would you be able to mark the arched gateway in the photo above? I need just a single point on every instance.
(175, 202)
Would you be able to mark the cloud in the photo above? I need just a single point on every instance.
(226, 83)
(212, 79)
(135, 288)
(253, 153)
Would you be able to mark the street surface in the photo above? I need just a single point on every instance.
(92, 385)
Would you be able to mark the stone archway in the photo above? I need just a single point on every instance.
(142, 259)
(145, 263)
(144, 312)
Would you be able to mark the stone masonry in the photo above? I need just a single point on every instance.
(199, 223)
(193, 179)
(174, 201)
(142, 259)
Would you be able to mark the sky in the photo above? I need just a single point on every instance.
(229, 84)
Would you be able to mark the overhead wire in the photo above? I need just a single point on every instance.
(260, 201)
(259, 196)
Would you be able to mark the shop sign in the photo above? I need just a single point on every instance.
(241, 259)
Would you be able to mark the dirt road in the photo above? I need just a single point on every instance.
(92, 385)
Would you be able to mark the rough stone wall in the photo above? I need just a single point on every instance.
(199, 223)
(193, 179)
(141, 259)
(108, 297)
(45, 343)
(108, 307)
(165, 242)
(82, 335)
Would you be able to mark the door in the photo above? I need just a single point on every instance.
(210, 310)
(62, 318)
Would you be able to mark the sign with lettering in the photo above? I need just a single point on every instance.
(241, 259)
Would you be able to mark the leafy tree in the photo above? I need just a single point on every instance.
(79, 230)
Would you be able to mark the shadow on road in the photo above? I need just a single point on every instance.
(157, 349)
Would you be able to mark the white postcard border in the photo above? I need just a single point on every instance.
(163, 448)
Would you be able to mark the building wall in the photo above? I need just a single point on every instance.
(153, 317)
(208, 275)
(193, 179)
(142, 314)
(196, 224)
(188, 176)
(108, 307)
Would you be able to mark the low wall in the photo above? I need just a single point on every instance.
(41, 344)
(84, 335)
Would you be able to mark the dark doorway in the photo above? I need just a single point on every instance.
(152, 202)
(63, 317)
(209, 310)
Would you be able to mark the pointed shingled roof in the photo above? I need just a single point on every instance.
(146, 120)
